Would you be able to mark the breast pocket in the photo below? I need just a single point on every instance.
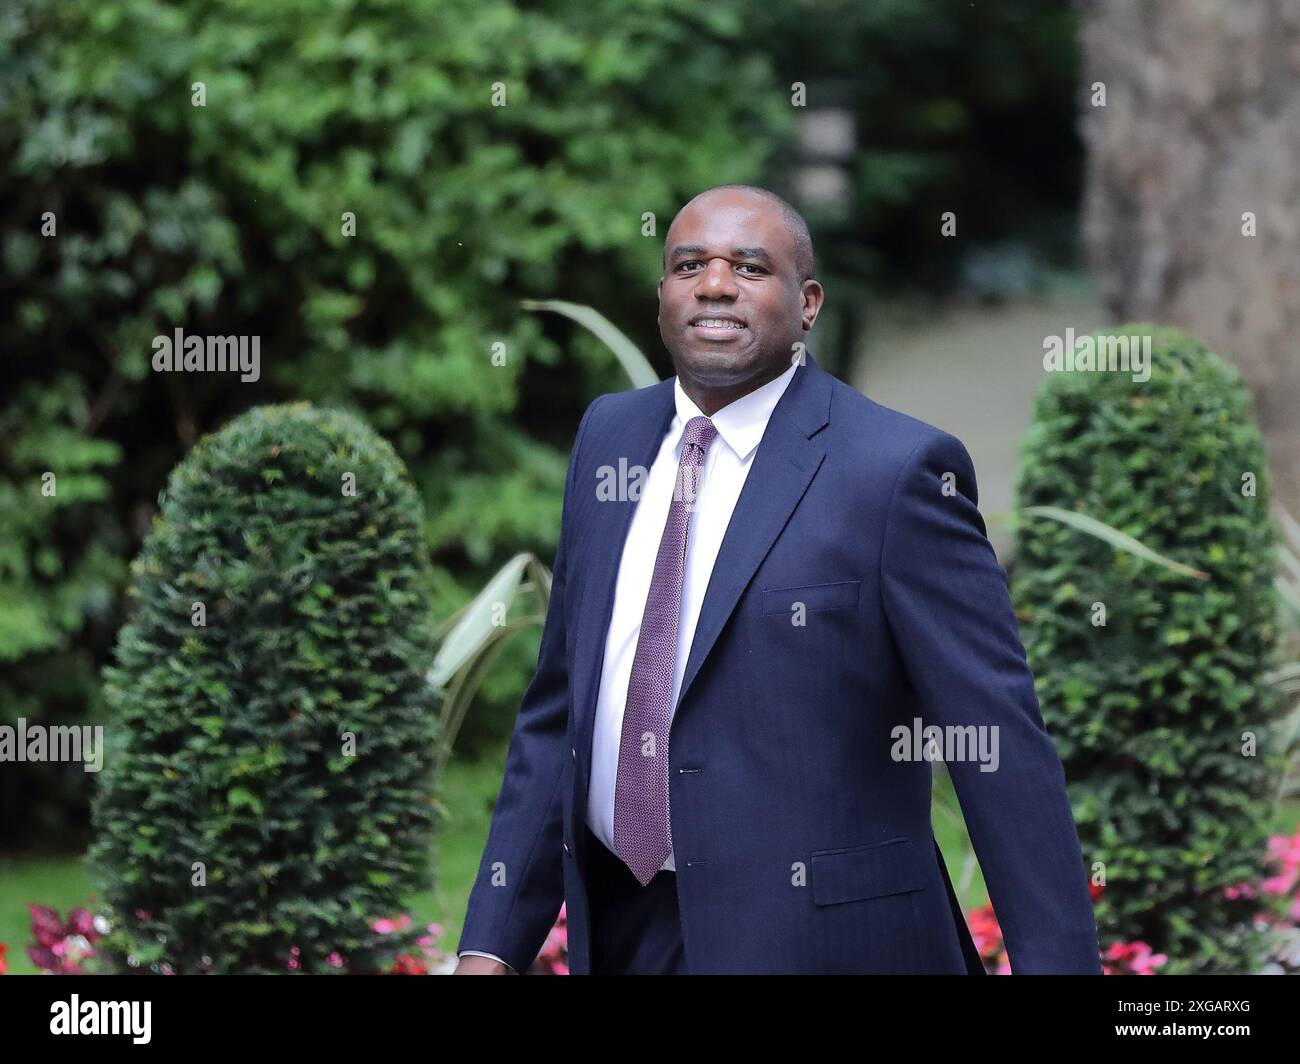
(840, 595)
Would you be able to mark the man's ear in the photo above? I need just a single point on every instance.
(818, 297)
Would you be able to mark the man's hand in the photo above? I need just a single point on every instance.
(473, 965)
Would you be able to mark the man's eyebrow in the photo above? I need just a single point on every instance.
(684, 251)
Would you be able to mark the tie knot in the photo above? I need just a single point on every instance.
(700, 431)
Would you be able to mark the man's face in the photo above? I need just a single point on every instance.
(730, 304)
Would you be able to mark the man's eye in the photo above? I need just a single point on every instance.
(742, 266)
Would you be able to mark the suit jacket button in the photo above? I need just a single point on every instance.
(574, 752)
(566, 847)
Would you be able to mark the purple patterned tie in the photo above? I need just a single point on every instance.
(642, 835)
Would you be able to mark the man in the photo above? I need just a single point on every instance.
(722, 764)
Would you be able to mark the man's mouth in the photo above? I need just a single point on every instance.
(717, 326)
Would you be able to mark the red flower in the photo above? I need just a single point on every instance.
(407, 965)
(986, 932)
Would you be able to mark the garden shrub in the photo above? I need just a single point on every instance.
(236, 821)
(1153, 711)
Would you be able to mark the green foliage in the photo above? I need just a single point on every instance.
(41, 600)
(1150, 711)
(62, 565)
(227, 219)
(227, 742)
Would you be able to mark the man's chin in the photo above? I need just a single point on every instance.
(714, 367)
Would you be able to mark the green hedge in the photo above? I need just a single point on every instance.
(1149, 710)
(226, 741)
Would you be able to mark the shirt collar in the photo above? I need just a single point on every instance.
(740, 423)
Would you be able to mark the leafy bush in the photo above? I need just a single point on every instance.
(63, 561)
(1152, 711)
(287, 743)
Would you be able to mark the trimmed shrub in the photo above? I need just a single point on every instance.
(1153, 711)
(267, 788)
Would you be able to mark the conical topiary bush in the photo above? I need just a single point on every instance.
(266, 792)
(1152, 682)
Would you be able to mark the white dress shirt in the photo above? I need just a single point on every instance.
(727, 460)
(740, 426)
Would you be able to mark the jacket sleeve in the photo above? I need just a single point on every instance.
(519, 888)
(950, 613)
(480, 953)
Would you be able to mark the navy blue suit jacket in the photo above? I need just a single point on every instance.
(802, 842)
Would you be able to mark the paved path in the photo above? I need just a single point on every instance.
(972, 371)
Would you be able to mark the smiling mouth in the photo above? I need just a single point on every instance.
(717, 327)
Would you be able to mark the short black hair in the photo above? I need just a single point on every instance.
(804, 260)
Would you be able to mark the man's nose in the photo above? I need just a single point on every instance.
(717, 279)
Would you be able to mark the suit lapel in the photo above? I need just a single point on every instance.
(787, 459)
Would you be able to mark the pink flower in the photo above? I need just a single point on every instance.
(386, 925)
(61, 947)
(553, 957)
(47, 928)
(1132, 958)
(1285, 850)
